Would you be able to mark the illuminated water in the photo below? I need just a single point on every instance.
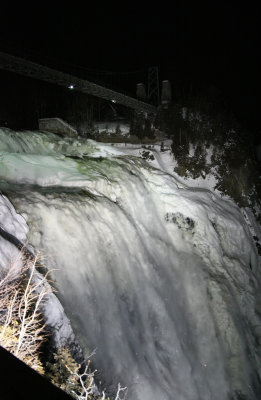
(161, 280)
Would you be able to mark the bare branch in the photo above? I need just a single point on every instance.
(21, 322)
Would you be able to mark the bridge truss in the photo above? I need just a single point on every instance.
(33, 70)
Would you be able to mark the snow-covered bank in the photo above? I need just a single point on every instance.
(161, 278)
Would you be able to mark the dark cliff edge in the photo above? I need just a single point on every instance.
(18, 381)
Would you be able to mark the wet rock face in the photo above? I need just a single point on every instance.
(182, 222)
(147, 155)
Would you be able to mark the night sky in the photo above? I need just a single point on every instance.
(195, 44)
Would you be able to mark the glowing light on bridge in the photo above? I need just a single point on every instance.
(71, 87)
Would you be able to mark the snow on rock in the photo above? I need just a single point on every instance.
(58, 324)
(14, 224)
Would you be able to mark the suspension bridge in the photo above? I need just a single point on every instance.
(34, 70)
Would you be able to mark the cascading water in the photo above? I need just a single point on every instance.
(160, 279)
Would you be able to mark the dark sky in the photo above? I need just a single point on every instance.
(195, 43)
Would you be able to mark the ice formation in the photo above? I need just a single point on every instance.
(161, 279)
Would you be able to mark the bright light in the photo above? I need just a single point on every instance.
(71, 87)
(114, 101)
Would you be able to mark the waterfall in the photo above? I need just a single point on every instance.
(160, 279)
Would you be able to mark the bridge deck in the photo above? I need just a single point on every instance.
(30, 69)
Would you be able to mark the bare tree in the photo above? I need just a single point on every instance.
(22, 330)
(87, 388)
